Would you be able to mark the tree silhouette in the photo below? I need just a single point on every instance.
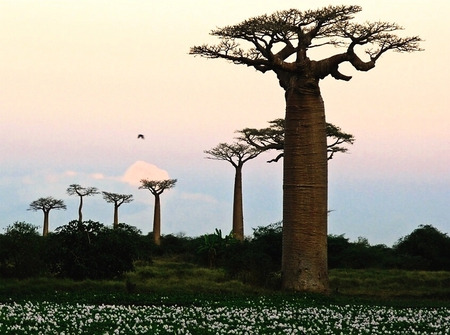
(157, 187)
(46, 205)
(117, 200)
(272, 138)
(81, 192)
(236, 154)
(280, 43)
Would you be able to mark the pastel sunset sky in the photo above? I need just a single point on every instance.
(79, 79)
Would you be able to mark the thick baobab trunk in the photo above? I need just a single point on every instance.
(46, 215)
(157, 221)
(116, 216)
(238, 215)
(304, 261)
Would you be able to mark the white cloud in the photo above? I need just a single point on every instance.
(143, 170)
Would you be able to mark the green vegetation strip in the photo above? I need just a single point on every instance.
(258, 315)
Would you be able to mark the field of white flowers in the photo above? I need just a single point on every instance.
(253, 316)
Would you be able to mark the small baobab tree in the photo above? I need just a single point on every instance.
(157, 187)
(237, 154)
(81, 192)
(46, 205)
(281, 43)
(117, 200)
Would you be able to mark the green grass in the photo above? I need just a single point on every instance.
(185, 282)
(165, 276)
(391, 284)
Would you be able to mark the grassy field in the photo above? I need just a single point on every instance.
(169, 297)
(391, 284)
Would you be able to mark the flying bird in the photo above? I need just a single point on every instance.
(141, 136)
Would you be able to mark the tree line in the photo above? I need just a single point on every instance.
(92, 250)
(156, 187)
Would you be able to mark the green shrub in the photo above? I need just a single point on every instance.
(426, 248)
(92, 250)
(21, 251)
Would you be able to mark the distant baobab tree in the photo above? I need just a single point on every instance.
(117, 200)
(272, 138)
(237, 154)
(157, 187)
(281, 43)
(46, 205)
(81, 192)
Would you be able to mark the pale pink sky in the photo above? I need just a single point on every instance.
(80, 79)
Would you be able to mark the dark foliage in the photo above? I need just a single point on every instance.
(213, 248)
(95, 251)
(426, 248)
(358, 255)
(92, 250)
(20, 251)
(254, 261)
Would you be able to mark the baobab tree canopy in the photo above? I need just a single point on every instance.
(47, 204)
(280, 43)
(272, 138)
(274, 38)
(117, 198)
(156, 187)
(236, 153)
(82, 191)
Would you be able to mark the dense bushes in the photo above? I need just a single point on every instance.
(93, 250)
(426, 248)
(77, 251)
(20, 251)
(358, 255)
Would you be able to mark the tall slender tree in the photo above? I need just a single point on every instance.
(281, 42)
(237, 154)
(46, 205)
(81, 192)
(157, 187)
(272, 138)
(117, 200)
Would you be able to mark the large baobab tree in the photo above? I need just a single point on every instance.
(81, 192)
(117, 200)
(157, 187)
(237, 154)
(272, 138)
(46, 205)
(280, 42)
